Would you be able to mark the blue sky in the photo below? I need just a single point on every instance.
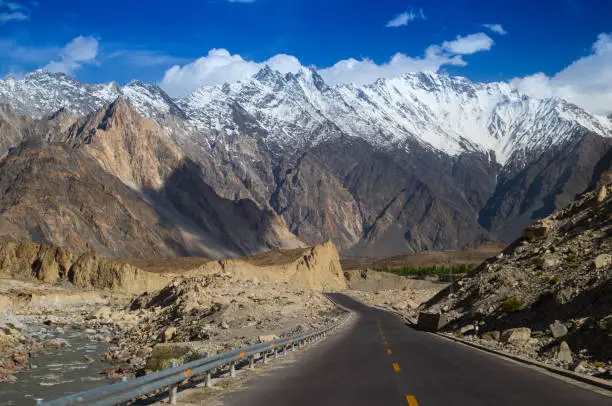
(138, 39)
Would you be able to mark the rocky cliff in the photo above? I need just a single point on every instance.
(51, 264)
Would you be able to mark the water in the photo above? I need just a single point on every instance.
(58, 372)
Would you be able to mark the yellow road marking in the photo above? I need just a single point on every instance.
(385, 343)
(389, 351)
(412, 400)
(396, 367)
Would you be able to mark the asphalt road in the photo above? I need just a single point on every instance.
(379, 360)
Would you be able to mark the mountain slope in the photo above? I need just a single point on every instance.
(558, 272)
(422, 161)
(114, 182)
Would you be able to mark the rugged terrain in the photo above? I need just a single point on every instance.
(201, 315)
(418, 162)
(547, 295)
(46, 290)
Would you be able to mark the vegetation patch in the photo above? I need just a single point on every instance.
(512, 305)
(444, 273)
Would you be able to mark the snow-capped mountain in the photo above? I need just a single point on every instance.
(41, 94)
(449, 114)
(421, 161)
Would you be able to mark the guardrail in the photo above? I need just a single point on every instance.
(128, 390)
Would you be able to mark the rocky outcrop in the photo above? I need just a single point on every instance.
(52, 264)
(316, 267)
(555, 280)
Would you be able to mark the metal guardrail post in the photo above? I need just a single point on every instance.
(173, 388)
(38, 401)
(208, 382)
(252, 362)
(275, 353)
(265, 357)
(233, 369)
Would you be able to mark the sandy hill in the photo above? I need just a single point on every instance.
(317, 267)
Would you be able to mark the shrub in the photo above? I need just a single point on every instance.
(571, 256)
(554, 280)
(512, 305)
(539, 262)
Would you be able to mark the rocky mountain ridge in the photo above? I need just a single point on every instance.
(418, 162)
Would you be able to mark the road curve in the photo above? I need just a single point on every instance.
(381, 361)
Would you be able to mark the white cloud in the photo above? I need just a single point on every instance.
(12, 11)
(469, 44)
(586, 82)
(79, 51)
(14, 16)
(405, 17)
(496, 28)
(219, 66)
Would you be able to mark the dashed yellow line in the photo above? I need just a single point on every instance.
(389, 351)
(411, 400)
(385, 343)
(396, 367)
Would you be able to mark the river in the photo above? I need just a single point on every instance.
(55, 373)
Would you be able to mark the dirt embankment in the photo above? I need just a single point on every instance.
(317, 267)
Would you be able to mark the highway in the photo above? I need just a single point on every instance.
(378, 360)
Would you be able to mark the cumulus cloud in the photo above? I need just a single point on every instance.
(496, 28)
(78, 52)
(220, 66)
(469, 44)
(586, 82)
(404, 18)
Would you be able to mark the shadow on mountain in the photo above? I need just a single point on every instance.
(232, 228)
(53, 193)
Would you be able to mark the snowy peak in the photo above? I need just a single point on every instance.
(448, 114)
(151, 101)
(41, 94)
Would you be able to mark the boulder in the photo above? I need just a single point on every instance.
(557, 329)
(431, 321)
(169, 334)
(491, 336)
(564, 353)
(468, 329)
(603, 261)
(56, 343)
(603, 193)
(267, 338)
(104, 313)
(516, 335)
